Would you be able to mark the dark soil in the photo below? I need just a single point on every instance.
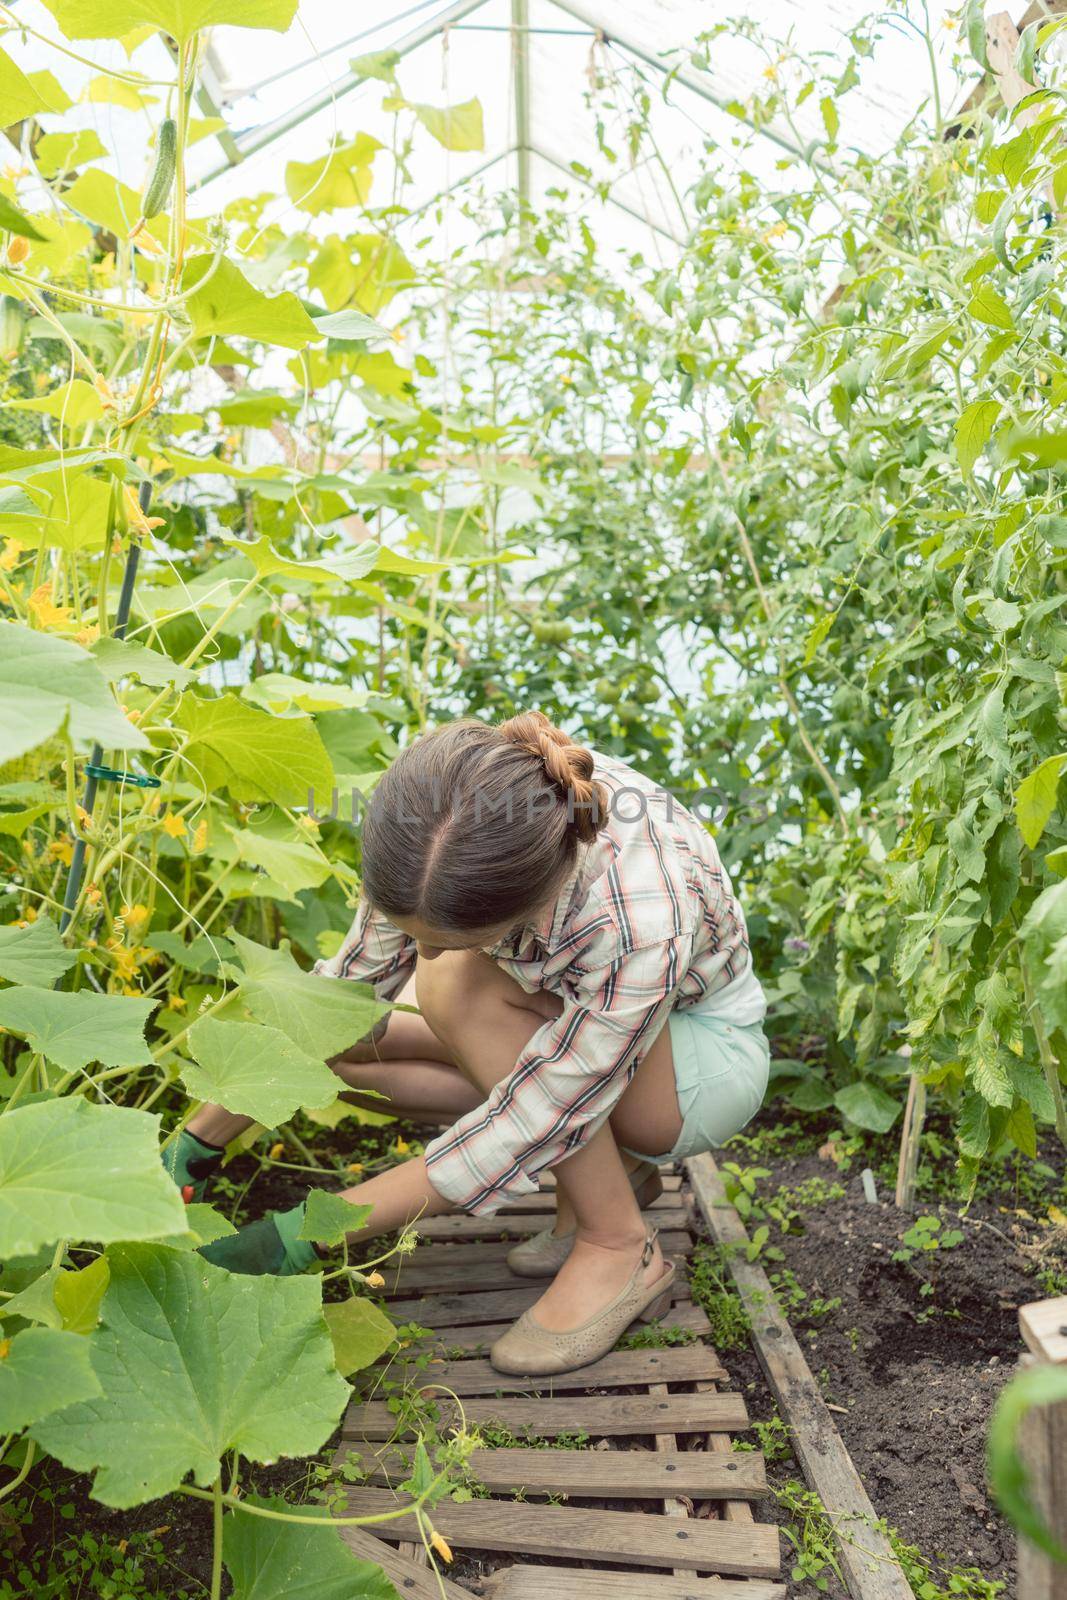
(915, 1354)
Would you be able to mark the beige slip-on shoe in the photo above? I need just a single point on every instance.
(528, 1350)
(542, 1255)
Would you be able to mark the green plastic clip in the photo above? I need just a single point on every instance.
(113, 775)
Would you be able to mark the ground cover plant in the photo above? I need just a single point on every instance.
(269, 492)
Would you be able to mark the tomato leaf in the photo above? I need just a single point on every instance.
(973, 430)
(1035, 798)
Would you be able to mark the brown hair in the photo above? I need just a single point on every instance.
(473, 826)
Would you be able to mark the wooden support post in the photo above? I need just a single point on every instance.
(870, 1569)
(911, 1133)
(1043, 1448)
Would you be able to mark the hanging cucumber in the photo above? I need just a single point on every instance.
(161, 179)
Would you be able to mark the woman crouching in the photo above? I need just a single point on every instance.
(586, 1004)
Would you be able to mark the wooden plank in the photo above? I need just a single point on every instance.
(545, 1203)
(623, 1369)
(871, 1570)
(1043, 1451)
(578, 1534)
(521, 1224)
(1043, 1324)
(601, 1416)
(466, 1268)
(721, 1444)
(498, 1305)
(666, 1444)
(480, 1335)
(590, 1474)
(411, 1581)
(1036, 11)
(672, 1181)
(573, 1583)
(1042, 1442)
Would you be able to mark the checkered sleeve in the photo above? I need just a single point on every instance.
(374, 952)
(564, 1084)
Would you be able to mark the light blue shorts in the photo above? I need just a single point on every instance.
(720, 1071)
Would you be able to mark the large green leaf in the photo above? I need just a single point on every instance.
(69, 512)
(360, 1332)
(229, 304)
(345, 326)
(12, 220)
(62, 152)
(255, 1071)
(46, 682)
(322, 1015)
(102, 198)
(22, 97)
(256, 756)
(72, 1170)
(193, 1362)
(290, 865)
(867, 1105)
(345, 567)
(278, 692)
(118, 658)
(273, 1560)
(42, 1370)
(456, 127)
(74, 1029)
(336, 181)
(34, 954)
(73, 403)
(112, 19)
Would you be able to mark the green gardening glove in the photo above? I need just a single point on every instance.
(268, 1245)
(191, 1162)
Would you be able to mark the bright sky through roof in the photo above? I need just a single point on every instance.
(262, 76)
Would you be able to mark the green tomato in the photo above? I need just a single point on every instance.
(607, 691)
(630, 711)
(549, 630)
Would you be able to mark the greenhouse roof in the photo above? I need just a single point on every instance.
(529, 63)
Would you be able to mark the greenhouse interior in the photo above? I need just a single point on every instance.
(533, 800)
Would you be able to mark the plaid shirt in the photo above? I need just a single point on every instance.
(646, 922)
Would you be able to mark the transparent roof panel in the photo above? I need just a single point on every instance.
(285, 96)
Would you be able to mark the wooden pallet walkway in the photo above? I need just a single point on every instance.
(688, 1530)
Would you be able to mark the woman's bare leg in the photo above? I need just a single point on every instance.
(485, 1019)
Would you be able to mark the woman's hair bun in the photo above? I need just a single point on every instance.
(568, 767)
